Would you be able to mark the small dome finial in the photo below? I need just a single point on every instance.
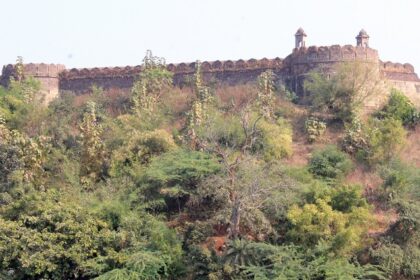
(300, 31)
(363, 33)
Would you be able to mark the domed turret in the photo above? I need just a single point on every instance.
(300, 38)
(362, 39)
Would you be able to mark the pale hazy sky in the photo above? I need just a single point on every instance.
(89, 33)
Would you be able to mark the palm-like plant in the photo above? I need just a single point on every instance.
(240, 253)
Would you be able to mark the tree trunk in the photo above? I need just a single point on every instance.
(235, 219)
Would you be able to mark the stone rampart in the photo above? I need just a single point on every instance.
(399, 72)
(46, 74)
(231, 72)
(292, 71)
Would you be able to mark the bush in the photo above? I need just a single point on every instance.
(223, 129)
(355, 140)
(400, 108)
(400, 182)
(330, 163)
(386, 138)
(314, 128)
(172, 178)
(378, 141)
(314, 223)
(345, 198)
(389, 256)
(140, 148)
(45, 236)
(343, 93)
(276, 139)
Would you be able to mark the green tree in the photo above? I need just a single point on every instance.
(200, 106)
(172, 178)
(238, 199)
(21, 158)
(139, 149)
(92, 155)
(344, 91)
(293, 262)
(44, 237)
(265, 97)
(154, 79)
(20, 104)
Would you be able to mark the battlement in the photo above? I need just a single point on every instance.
(43, 70)
(228, 65)
(180, 68)
(397, 67)
(292, 70)
(398, 71)
(334, 53)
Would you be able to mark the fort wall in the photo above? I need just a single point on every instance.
(230, 72)
(291, 71)
(47, 74)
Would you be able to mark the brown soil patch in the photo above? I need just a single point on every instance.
(217, 243)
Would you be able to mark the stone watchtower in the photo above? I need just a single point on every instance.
(362, 39)
(300, 38)
(46, 74)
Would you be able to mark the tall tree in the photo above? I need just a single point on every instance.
(92, 156)
(153, 80)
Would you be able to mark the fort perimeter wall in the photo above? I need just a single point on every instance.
(292, 71)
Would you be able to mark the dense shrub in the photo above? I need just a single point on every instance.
(399, 107)
(355, 141)
(223, 129)
(40, 232)
(139, 148)
(275, 140)
(377, 141)
(386, 138)
(314, 222)
(400, 182)
(343, 92)
(172, 178)
(330, 163)
(345, 198)
(314, 128)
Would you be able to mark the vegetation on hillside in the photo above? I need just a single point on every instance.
(199, 182)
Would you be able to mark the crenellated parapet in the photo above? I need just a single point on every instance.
(398, 71)
(292, 70)
(305, 59)
(230, 71)
(104, 72)
(43, 70)
(334, 53)
(36, 70)
(179, 68)
(228, 65)
(397, 67)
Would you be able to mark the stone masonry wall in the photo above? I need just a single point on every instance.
(292, 71)
(230, 72)
(46, 74)
(301, 61)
